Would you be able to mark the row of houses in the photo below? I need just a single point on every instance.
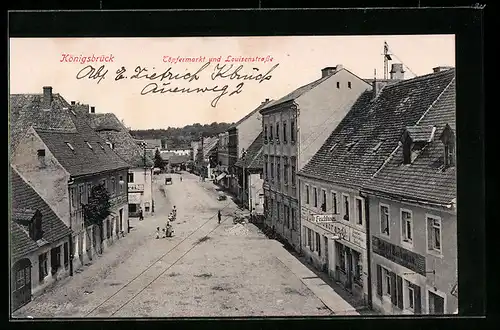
(59, 153)
(358, 175)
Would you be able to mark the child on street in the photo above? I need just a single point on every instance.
(219, 216)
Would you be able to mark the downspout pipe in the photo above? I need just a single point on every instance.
(71, 252)
(368, 248)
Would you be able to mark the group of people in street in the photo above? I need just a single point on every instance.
(168, 230)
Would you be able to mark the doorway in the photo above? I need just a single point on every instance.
(436, 303)
(21, 284)
(348, 284)
(326, 268)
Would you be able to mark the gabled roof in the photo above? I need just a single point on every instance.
(23, 214)
(24, 197)
(209, 145)
(21, 244)
(371, 130)
(425, 178)
(111, 129)
(261, 106)
(58, 126)
(253, 152)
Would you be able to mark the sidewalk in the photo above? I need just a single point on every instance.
(323, 291)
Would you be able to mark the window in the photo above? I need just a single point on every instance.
(146, 207)
(277, 132)
(406, 226)
(104, 183)
(278, 170)
(309, 238)
(55, 259)
(287, 215)
(360, 211)
(266, 164)
(358, 266)
(334, 202)
(436, 303)
(132, 208)
(278, 207)
(293, 219)
(387, 282)
(345, 208)
(81, 194)
(22, 277)
(66, 255)
(292, 131)
(89, 191)
(410, 296)
(341, 256)
(120, 183)
(377, 146)
(315, 195)
(323, 200)
(271, 133)
(42, 266)
(384, 219)
(265, 133)
(318, 244)
(294, 178)
(113, 185)
(286, 166)
(349, 84)
(338, 84)
(130, 178)
(434, 233)
(307, 194)
(272, 169)
(284, 132)
(41, 157)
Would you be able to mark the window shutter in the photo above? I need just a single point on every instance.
(418, 304)
(379, 280)
(393, 289)
(400, 291)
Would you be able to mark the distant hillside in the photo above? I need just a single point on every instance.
(181, 137)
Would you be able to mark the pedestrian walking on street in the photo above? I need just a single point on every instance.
(141, 215)
(181, 178)
(219, 216)
(157, 232)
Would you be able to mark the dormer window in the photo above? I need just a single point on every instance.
(70, 146)
(414, 140)
(448, 139)
(351, 145)
(377, 146)
(110, 145)
(332, 147)
(89, 145)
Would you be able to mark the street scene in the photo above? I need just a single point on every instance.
(326, 193)
(205, 269)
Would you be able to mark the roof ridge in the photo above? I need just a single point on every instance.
(422, 77)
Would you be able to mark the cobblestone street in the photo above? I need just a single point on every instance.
(206, 269)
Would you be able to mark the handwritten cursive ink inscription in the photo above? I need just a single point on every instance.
(90, 72)
(225, 71)
(155, 88)
(168, 74)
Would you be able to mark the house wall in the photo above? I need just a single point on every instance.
(444, 264)
(50, 180)
(350, 233)
(322, 108)
(140, 191)
(256, 193)
(248, 130)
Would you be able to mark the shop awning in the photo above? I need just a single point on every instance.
(221, 176)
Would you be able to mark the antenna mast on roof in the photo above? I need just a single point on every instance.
(387, 58)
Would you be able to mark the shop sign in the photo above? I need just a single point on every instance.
(323, 218)
(345, 233)
(358, 238)
(399, 255)
(134, 198)
(135, 187)
(118, 201)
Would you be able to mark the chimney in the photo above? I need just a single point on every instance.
(265, 101)
(73, 102)
(441, 68)
(377, 87)
(397, 72)
(47, 97)
(92, 109)
(325, 72)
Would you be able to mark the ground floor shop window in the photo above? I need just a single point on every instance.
(341, 256)
(436, 303)
(309, 238)
(146, 207)
(318, 244)
(358, 267)
(42, 266)
(55, 259)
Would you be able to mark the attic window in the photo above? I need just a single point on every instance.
(349, 84)
(110, 145)
(89, 145)
(377, 146)
(41, 153)
(338, 84)
(351, 145)
(70, 146)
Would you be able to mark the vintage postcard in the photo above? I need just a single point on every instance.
(233, 176)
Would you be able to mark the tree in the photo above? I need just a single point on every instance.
(158, 159)
(98, 206)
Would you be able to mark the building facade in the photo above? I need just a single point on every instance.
(345, 167)
(40, 244)
(222, 169)
(295, 127)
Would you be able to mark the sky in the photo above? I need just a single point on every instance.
(200, 95)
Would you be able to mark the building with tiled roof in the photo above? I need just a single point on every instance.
(361, 151)
(39, 243)
(294, 128)
(140, 173)
(251, 165)
(63, 158)
(154, 144)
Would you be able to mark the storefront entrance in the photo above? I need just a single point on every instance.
(21, 284)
